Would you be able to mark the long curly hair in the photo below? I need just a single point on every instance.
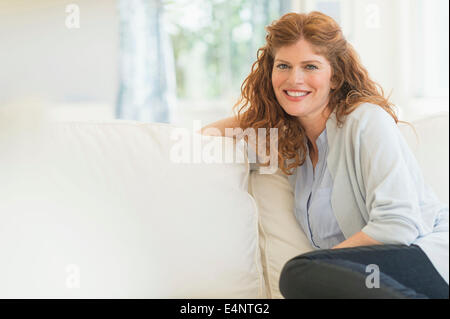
(258, 106)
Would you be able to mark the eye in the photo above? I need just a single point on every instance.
(282, 66)
(311, 67)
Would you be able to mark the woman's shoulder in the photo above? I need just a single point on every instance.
(369, 117)
(367, 120)
(369, 112)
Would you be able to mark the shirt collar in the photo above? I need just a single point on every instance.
(322, 139)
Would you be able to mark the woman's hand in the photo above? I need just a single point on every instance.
(358, 239)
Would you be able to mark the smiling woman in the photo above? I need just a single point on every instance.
(360, 195)
(319, 61)
(302, 87)
(306, 78)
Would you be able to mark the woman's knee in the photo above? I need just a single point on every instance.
(304, 277)
(294, 277)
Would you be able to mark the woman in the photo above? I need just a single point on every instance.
(360, 197)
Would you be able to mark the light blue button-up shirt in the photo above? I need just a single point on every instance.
(312, 189)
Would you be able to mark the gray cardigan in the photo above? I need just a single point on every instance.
(378, 187)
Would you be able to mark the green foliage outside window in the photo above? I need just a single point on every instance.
(215, 43)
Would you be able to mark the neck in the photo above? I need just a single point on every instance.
(315, 125)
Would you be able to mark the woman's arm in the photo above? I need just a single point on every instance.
(390, 178)
(220, 126)
(218, 129)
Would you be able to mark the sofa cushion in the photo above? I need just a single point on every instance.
(281, 237)
(428, 139)
(103, 210)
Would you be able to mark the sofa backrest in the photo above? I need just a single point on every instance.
(428, 138)
(109, 210)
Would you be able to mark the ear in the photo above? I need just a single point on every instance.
(333, 83)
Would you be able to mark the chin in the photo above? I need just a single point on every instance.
(295, 111)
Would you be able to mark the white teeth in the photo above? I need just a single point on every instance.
(294, 93)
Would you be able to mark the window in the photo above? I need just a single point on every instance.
(215, 44)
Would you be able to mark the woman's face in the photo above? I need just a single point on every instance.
(301, 80)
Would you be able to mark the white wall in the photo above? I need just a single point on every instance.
(383, 42)
(40, 56)
(383, 33)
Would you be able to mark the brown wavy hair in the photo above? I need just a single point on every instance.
(258, 106)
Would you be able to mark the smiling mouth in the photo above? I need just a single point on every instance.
(296, 93)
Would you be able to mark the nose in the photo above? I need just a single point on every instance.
(297, 76)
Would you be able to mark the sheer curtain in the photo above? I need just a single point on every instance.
(147, 76)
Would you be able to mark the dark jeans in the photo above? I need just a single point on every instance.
(404, 272)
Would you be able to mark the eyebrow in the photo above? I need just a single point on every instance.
(308, 61)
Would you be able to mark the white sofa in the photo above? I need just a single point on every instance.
(113, 210)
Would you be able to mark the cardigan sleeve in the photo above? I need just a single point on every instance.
(391, 178)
